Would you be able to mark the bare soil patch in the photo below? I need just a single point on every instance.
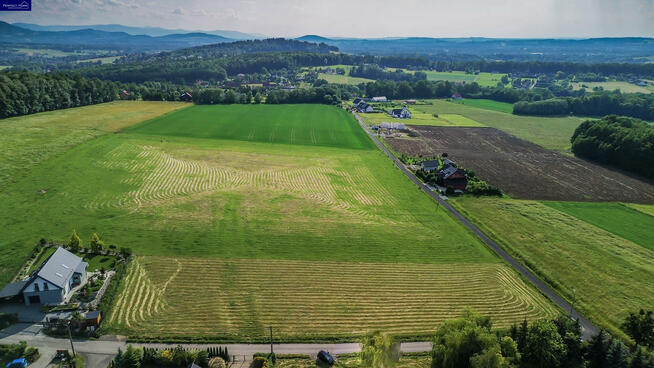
(523, 169)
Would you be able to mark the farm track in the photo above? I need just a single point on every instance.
(588, 328)
(237, 297)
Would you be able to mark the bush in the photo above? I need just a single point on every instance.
(260, 362)
(31, 354)
(78, 361)
(217, 362)
(271, 357)
(8, 319)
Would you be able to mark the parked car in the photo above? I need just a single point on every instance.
(326, 357)
(18, 363)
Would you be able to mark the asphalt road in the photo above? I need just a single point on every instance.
(589, 329)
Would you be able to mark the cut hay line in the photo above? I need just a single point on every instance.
(330, 299)
(161, 177)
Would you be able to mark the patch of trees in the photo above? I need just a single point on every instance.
(177, 357)
(326, 94)
(636, 105)
(619, 141)
(375, 72)
(24, 93)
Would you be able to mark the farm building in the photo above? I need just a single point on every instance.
(379, 99)
(93, 318)
(402, 113)
(411, 102)
(52, 282)
(451, 177)
(431, 165)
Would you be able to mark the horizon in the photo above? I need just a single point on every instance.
(510, 19)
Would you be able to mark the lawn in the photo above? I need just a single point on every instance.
(481, 103)
(26, 141)
(616, 218)
(274, 204)
(548, 132)
(611, 275)
(421, 118)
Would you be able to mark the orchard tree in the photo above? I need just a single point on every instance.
(75, 243)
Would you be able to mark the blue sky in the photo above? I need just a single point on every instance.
(362, 18)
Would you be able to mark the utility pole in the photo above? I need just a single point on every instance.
(271, 341)
(70, 336)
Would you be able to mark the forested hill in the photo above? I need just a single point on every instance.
(95, 39)
(239, 48)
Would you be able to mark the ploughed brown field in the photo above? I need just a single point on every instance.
(525, 170)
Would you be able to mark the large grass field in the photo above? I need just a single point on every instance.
(343, 79)
(624, 87)
(26, 141)
(616, 218)
(481, 103)
(611, 276)
(229, 208)
(552, 133)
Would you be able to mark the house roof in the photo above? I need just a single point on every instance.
(13, 289)
(432, 163)
(448, 171)
(60, 267)
(92, 315)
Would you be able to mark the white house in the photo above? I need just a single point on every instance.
(402, 113)
(52, 282)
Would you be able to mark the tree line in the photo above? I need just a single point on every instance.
(24, 93)
(636, 105)
(619, 141)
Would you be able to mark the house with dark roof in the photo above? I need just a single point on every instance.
(430, 165)
(364, 107)
(452, 177)
(52, 282)
(402, 113)
(186, 96)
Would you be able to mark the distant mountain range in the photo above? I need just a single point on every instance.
(95, 39)
(627, 49)
(136, 31)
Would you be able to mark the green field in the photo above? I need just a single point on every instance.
(102, 60)
(489, 79)
(481, 103)
(313, 125)
(243, 217)
(450, 76)
(611, 276)
(343, 79)
(624, 87)
(644, 208)
(552, 133)
(613, 217)
(421, 118)
(26, 141)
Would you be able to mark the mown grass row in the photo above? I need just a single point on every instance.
(237, 299)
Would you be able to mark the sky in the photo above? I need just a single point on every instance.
(361, 18)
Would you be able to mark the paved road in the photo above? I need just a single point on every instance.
(100, 352)
(589, 329)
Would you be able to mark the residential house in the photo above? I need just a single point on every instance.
(450, 176)
(186, 96)
(431, 165)
(52, 282)
(456, 96)
(364, 107)
(402, 113)
(357, 101)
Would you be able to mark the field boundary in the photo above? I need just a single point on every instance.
(588, 328)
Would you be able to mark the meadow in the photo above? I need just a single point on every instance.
(343, 79)
(481, 103)
(26, 141)
(616, 218)
(623, 86)
(453, 76)
(548, 132)
(610, 276)
(421, 118)
(213, 200)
